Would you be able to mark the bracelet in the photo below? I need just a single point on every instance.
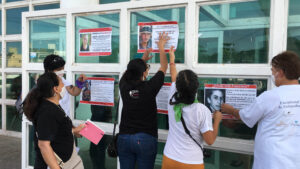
(172, 64)
(79, 84)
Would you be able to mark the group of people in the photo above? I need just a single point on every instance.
(277, 113)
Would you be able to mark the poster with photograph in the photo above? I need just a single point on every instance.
(98, 91)
(239, 96)
(95, 42)
(162, 98)
(148, 35)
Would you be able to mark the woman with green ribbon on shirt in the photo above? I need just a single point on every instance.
(183, 150)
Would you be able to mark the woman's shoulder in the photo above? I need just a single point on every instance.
(201, 108)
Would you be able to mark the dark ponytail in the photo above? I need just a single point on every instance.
(187, 85)
(135, 70)
(43, 90)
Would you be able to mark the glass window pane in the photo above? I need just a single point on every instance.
(159, 155)
(293, 41)
(95, 156)
(13, 86)
(228, 160)
(0, 54)
(176, 14)
(233, 128)
(99, 21)
(0, 85)
(111, 1)
(13, 119)
(96, 112)
(13, 0)
(234, 33)
(45, 7)
(13, 54)
(47, 36)
(31, 152)
(33, 77)
(0, 21)
(0, 116)
(14, 20)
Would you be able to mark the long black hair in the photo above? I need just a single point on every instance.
(43, 90)
(135, 70)
(187, 85)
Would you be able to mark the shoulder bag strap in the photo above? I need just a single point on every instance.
(188, 132)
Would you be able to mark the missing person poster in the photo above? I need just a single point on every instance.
(162, 98)
(239, 96)
(95, 42)
(148, 35)
(98, 91)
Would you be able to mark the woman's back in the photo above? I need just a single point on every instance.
(139, 105)
(180, 146)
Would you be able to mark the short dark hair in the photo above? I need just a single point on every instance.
(52, 62)
(289, 63)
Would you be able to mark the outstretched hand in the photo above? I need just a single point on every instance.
(163, 39)
(172, 54)
(146, 55)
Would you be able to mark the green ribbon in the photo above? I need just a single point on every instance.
(178, 110)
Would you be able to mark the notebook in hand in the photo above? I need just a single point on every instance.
(92, 132)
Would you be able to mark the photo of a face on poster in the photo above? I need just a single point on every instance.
(214, 98)
(86, 91)
(145, 37)
(85, 41)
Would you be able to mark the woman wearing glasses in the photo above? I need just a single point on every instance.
(137, 141)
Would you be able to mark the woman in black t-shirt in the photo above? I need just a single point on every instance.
(53, 128)
(137, 141)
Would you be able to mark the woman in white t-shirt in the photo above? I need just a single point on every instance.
(181, 151)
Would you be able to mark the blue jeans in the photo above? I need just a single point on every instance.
(140, 148)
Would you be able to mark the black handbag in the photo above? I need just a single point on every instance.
(112, 148)
(206, 154)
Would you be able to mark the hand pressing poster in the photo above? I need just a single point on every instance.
(162, 99)
(98, 91)
(148, 35)
(95, 42)
(239, 96)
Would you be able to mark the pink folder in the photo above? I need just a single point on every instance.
(92, 132)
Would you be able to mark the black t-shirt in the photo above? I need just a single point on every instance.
(139, 105)
(52, 124)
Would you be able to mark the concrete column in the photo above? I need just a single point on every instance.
(77, 3)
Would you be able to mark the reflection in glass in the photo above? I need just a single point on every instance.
(95, 156)
(13, 0)
(111, 1)
(13, 119)
(96, 112)
(47, 36)
(13, 86)
(176, 14)
(0, 85)
(233, 128)
(228, 160)
(293, 41)
(99, 21)
(14, 20)
(13, 54)
(234, 33)
(0, 117)
(0, 55)
(0, 21)
(33, 77)
(31, 151)
(45, 7)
